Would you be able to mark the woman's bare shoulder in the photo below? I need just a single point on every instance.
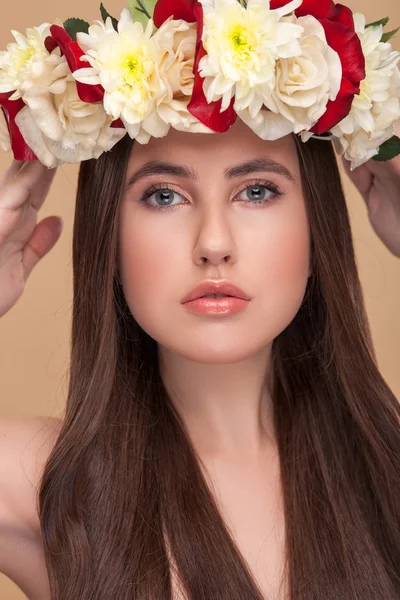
(25, 444)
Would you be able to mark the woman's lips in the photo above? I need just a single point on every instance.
(210, 286)
(216, 306)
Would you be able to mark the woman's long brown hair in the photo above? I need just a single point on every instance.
(123, 502)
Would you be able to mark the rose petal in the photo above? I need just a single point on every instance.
(179, 9)
(347, 44)
(316, 8)
(73, 52)
(34, 137)
(5, 143)
(19, 146)
(267, 125)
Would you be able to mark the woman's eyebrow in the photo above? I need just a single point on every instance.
(158, 167)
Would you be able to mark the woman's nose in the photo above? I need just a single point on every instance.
(215, 242)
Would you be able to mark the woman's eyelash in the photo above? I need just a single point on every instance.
(271, 187)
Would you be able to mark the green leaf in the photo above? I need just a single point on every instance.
(105, 14)
(388, 149)
(142, 10)
(73, 26)
(389, 34)
(376, 23)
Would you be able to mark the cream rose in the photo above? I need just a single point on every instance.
(56, 124)
(305, 83)
(5, 144)
(376, 108)
(178, 39)
(359, 145)
(380, 66)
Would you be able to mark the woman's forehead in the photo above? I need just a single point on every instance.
(220, 150)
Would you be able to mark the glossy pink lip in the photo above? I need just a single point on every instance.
(218, 306)
(221, 287)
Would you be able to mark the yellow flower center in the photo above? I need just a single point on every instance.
(241, 42)
(133, 70)
(22, 56)
(135, 66)
(366, 90)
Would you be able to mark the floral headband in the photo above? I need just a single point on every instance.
(71, 91)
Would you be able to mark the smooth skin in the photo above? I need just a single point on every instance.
(23, 242)
(212, 232)
(215, 230)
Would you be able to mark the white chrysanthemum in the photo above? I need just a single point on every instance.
(377, 106)
(305, 83)
(5, 143)
(56, 124)
(23, 58)
(242, 46)
(125, 63)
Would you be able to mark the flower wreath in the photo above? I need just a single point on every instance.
(71, 91)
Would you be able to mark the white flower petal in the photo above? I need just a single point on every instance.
(155, 126)
(20, 39)
(33, 137)
(86, 75)
(86, 41)
(267, 125)
(359, 22)
(58, 87)
(125, 17)
(289, 7)
(44, 113)
(132, 128)
(5, 142)
(306, 135)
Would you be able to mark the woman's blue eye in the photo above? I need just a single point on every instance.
(256, 193)
(164, 196)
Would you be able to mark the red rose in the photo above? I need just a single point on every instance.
(337, 21)
(207, 113)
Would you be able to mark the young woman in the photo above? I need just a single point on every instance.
(223, 448)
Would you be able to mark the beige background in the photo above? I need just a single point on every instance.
(34, 335)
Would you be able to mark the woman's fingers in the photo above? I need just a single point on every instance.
(19, 182)
(42, 240)
(12, 170)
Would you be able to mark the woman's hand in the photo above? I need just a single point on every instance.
(23, 242)
(379, 184)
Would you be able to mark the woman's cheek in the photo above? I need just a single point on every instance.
(285, 271)
(146, 269)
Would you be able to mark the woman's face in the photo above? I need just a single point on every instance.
(249, 227)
